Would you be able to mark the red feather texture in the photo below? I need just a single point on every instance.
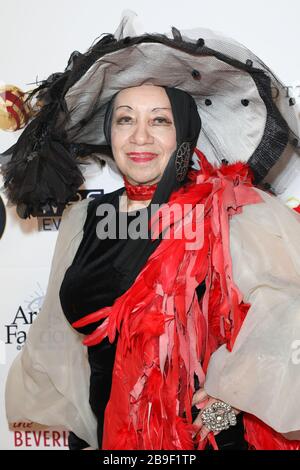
(262, 437)
(165, 336)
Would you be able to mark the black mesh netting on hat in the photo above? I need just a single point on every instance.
(245, 111)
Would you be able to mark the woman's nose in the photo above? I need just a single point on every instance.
(141, 134)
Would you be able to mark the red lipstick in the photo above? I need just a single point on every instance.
(141, 157)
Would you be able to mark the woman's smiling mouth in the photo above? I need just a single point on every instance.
(141, 157)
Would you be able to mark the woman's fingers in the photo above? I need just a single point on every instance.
(202, 430)
(199, 396)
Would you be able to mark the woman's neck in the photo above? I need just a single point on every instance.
(136, 196)
(127, 205)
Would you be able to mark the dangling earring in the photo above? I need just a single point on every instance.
(182, 161)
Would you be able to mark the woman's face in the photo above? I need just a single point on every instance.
(143, 134)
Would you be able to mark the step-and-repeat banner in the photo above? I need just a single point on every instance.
(26, 249)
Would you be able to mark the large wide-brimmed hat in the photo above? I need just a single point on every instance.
(245, 111)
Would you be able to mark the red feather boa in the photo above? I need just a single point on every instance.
(165, 335)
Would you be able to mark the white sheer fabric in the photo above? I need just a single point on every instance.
(262, 373)
(48, 382)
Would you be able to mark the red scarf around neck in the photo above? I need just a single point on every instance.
(140, 192)
(166, 336)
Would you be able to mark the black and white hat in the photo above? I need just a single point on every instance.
(245, 111)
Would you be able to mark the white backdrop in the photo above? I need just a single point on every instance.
(36, 39)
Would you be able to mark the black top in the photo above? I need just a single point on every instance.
(93, 282)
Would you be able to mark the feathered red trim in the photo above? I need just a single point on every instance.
(262, 437)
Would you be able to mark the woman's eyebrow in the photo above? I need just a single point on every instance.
(126, 106)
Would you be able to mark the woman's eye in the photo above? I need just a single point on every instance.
(123, 119)
(157, 120)
(162, 120)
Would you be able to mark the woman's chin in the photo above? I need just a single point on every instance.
(138, 179)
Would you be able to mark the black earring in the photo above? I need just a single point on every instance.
(182, 161)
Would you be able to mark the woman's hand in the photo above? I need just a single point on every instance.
(203, 400)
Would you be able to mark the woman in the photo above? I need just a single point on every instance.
(143, 138)
(172, 322)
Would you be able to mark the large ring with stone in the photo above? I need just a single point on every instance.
(218, 417)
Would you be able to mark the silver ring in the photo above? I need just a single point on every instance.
(218, 417)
